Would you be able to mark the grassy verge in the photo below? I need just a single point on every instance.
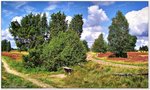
(12, 81)
(36, 73)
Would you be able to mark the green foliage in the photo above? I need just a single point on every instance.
(100, 45)
(143, 48)
(30, 32)
(86, 45)
(34, 60)
(64, 50)
(120, 41)
(6, 46)
(76, 24)
(58, 23)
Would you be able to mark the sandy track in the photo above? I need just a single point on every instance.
(28, 78)
(90, 57)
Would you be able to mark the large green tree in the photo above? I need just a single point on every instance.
(30, 32)
(99, 44)
(58, 23)
(119, 39)
(76, 24)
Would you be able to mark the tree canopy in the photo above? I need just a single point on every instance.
(76, 24)
(143, 48)
(6, 45)
(30, 32)
(119, 39)
(99, 44)
(63, 49)
(58, 23)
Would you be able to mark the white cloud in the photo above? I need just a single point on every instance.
(96, 15)
(138, 22)
(6, 35)
(68, 18)
(92, 28)
(17, 18)
(50, 7)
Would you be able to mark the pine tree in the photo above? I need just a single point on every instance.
(76, 24)
(57, 24)
(99, 44)
(8, 46)
(120, 41)
(86, 45)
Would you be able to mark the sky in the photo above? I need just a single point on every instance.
(97, 16)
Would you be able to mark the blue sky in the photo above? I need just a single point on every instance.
(96, 16)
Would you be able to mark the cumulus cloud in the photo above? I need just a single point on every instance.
(17, 18)
(92, 28)
(138, 22)
(96, 15)
(6, 35)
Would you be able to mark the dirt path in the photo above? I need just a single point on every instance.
(34, 81)
(90, 57)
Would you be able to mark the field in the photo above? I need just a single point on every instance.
(95, 73)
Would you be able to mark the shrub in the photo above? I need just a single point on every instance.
(64, 50)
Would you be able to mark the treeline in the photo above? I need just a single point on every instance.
(119, 39)
(6, 45)
(143, 48)
(52, 45)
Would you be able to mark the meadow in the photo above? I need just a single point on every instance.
(89, 74)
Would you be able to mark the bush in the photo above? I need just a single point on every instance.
(64, 50)
(34, 58)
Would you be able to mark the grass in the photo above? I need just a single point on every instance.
(86, 75)
(12, 81)
(93, 75)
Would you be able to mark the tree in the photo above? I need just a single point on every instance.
(119, 39)
(30, 32)
(143, 48)
(6, 46)
(64, 50)
(99, 44)
(58, 23)
(86, 45)
(76, 24)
